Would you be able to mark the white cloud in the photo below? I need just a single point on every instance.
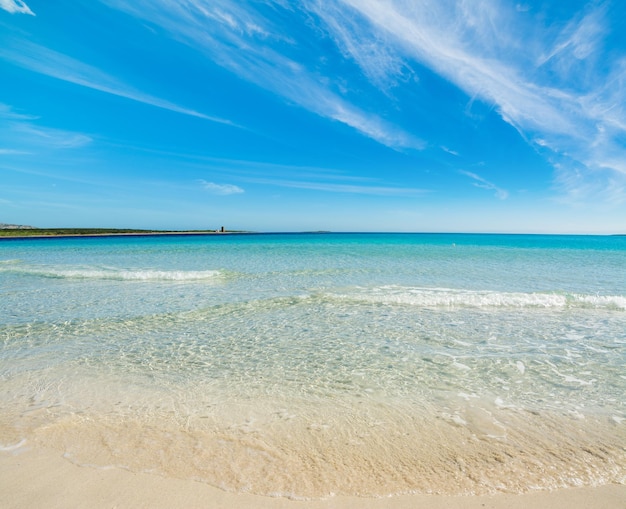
(578, 40)
(15, 6)
(546, 79)
(500, 193)
(22, 136)
(460, 43)
(222, 29)
(57, 65)
(370, 125)
(449, 151)
(7, 112)
(548, 82)
(221, 189)
(12, 152)
(371, 49)
(342, 188)
(52, 138)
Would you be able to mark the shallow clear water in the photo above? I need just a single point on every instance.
(308, 365)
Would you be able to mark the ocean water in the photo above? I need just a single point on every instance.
(310, 365)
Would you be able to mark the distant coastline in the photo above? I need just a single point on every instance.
(32, 232)
(39, 233)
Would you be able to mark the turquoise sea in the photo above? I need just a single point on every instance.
(307, 365)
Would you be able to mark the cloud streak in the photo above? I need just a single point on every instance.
(241, 39)
(544, 80)
(12, 152)
(548, 85)
(51, 63)
(221, 189)
(15, 7)
(24, 137)
(480, 182)
(53, 138)
(7, 112)
(331, 187)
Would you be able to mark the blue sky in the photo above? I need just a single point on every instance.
(343, 115)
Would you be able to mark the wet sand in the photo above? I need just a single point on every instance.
(42, 478)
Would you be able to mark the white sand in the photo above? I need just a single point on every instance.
(40, 478)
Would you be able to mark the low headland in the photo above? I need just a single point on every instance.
(10, 231)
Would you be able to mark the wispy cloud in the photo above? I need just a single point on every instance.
(12, 152)
(370, 48)
(577, 41)
(500, 193)
(241, 39)
(332, 187)
(449, 151)
(52, 138)
(51, 63)
(16, 6)
(7, 112)
(22, 136)
(577, 186)
(495, 51)
(294, 177)
(500, 54)
(221, 189)
(461, 43)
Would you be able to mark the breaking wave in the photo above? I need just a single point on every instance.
(456, 298)
(109, 273)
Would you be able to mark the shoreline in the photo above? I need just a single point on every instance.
(41, 477)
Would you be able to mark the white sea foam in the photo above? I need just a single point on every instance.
(453, 298)
(111, 273)
(603, 301)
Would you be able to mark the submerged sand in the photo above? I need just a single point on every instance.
(34, 478)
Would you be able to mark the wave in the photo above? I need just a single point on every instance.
(456, 298)
(110, 273)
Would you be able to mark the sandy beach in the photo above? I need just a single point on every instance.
(38, 478)
(312, 371)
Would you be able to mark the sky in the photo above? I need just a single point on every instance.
(340, 115)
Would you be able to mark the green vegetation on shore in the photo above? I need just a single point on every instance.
(55, 232)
